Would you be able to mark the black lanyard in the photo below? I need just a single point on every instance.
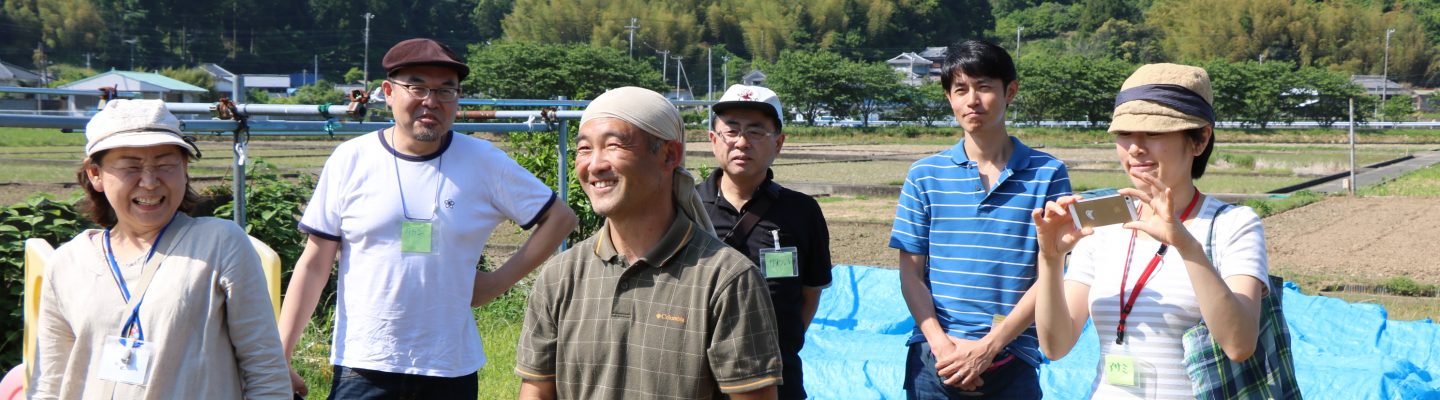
(1150, 268)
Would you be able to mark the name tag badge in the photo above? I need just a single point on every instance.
(779, 263)
(1130, 373)
(1120, 369)
(415, 236)
(127, 363)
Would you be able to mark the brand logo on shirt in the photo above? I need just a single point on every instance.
(671, 318)
(449, 203)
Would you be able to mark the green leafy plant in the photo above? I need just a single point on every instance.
(1404, 286)
(273, 206)
(39, 217)
(536, 152)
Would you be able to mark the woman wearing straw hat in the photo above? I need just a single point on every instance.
(157, 304)
(1146, 282)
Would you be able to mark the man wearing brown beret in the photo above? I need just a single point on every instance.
(408, 210)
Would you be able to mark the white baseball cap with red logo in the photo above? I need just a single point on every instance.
(753, 97)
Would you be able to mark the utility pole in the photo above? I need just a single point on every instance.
(678, 67)
(132, 41)
(664, 60)
(87, 60)
(709, 74)
(317, 69)
(632, 27)
(1384, 76)
(725, 72)
(1018, 29)
(366, 64)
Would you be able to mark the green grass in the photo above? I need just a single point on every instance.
(39, 137)
(1424, 182)
(1282, 203)
(22, 172)
(1402, 308)
(499, 324)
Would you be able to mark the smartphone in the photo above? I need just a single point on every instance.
(1103, 210)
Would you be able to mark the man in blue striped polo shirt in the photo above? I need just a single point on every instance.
(967, 243)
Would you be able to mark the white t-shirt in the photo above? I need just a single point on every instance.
(410, 312)
(1166, 306)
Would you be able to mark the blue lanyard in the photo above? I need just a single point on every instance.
(134, 320)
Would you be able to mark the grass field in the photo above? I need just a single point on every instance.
(1423, 182)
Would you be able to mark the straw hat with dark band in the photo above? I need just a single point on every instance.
(1164, 98)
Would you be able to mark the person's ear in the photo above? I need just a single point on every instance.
(92, 174)
(1010, 91)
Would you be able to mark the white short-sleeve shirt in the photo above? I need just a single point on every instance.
(410, 312)
(1167, 306)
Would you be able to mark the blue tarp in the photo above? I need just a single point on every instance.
(855, 348)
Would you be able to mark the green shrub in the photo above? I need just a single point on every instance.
(273, 207)
(39, 217)
(536, 152)
(1404, 286)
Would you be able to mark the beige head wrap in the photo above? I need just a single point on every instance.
(653, 114)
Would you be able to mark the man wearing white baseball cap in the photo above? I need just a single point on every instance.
(780, 230)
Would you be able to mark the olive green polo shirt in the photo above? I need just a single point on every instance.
(690, 320)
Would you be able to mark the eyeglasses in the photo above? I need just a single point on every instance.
(422, 92)
(751, 135)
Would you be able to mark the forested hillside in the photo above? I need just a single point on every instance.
(278, 36)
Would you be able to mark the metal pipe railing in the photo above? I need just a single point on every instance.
(317, 128)
(65, 92)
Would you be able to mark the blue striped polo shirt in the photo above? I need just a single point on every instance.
(980, 244)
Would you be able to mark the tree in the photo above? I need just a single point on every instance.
(925, 103)
(1070, 88)
(870, 88)
(194, 76)
(516, 70)
(320, 92)
(1330, 94)
(1094, 13)
(808, 81)
(1398, 108)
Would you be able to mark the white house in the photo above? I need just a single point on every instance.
(149, 85)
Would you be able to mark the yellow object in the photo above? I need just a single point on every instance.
(37, 251)
(270, 263)
(1120, 370)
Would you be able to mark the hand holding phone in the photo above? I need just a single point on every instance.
(1102, 211)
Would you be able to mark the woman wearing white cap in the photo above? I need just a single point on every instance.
(1142, 297)
(157, 304)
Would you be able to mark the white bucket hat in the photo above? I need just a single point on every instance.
(134, 123)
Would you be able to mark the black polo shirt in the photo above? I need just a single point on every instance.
(801, 225)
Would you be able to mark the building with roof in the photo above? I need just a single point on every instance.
(148, 85)
(14, 75)
(1376, 85)
(276, 85)
(915, 68)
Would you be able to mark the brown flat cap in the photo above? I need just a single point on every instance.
(422, 51)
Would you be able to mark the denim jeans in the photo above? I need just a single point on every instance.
(1014, 380)
(363, 384)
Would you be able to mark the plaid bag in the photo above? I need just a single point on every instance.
(1269, 373)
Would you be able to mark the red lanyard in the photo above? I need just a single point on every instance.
(1125, 305)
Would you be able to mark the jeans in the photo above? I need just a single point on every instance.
(363, 384)
(1014, 380)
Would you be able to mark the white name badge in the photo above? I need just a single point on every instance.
(125, 363)
(779, 263)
